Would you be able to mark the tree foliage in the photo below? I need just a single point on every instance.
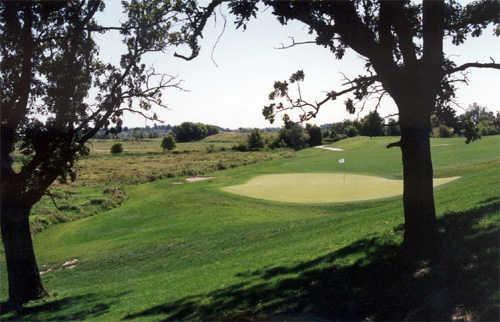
(255, 141)
(189, 131)
(292, 135)
(372, 125)
(315, 135)
(168, 143)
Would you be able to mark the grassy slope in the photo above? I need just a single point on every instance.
(194, 251)
(102, 175)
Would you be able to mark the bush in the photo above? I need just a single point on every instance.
(168, 143)
(351, 131)
(189, 131)
(255, 141)
(116, 148)
(240, 147)
(442, 131)
(294, 136)
(315, 135)
(277, 143)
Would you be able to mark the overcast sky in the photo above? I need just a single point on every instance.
(232, 93)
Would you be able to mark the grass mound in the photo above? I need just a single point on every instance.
(321, 187)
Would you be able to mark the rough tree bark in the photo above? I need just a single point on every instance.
(420, 233)
(24, 278)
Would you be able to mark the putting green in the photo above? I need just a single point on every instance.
(321, 187)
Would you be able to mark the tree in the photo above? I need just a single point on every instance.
(189, 131)
(484, 120)
(393, 128)
(50, 66)
(293, 136)
(372, 125)
(255, 141)
(168, 143)
(402, 42)
(351, 131)
(315, 135)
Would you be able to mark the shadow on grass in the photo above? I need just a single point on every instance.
(379, 285)
(81, 307)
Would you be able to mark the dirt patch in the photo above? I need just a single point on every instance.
(196, 179)
(69, 264)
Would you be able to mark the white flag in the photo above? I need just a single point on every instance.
(341, 161)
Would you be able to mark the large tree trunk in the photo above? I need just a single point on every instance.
(420, 234)
(24, 278)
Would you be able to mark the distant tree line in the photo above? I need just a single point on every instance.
(476, 121)
(189, 131)
(134, 133)
(185, 132)
(292, 135)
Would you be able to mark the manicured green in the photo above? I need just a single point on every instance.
(194, 251)
(321, 187)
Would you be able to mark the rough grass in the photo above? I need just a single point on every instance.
(192, 251)
(144, 161)
(102, 176)
(321, 187)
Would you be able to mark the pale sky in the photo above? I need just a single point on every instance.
(233, 93)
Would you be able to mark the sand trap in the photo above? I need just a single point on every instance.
(323, 147)
(321, 187)
(196, 179)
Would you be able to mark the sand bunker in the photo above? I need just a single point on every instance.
(321, 187)
(323, 147)
(196, 179)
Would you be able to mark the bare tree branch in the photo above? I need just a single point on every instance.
(294, 43)
(472, 65)
(198, 26)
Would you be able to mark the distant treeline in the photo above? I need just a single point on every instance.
(445, 123)
(187, 131)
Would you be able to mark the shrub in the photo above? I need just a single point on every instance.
(168, 143)
(351, 131)
(443, 131)
(315, 135)
(240, 147)
(116, 148)
(294, 136)
(189, 131)
(255, 141)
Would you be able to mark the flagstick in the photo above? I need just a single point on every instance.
(344, 171)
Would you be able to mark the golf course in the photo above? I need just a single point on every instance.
(280, 238)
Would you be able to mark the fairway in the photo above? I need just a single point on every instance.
(321, 187)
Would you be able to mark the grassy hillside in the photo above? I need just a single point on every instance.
(102, 176)
(193, 251)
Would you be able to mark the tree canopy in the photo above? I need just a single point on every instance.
(189, 131)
